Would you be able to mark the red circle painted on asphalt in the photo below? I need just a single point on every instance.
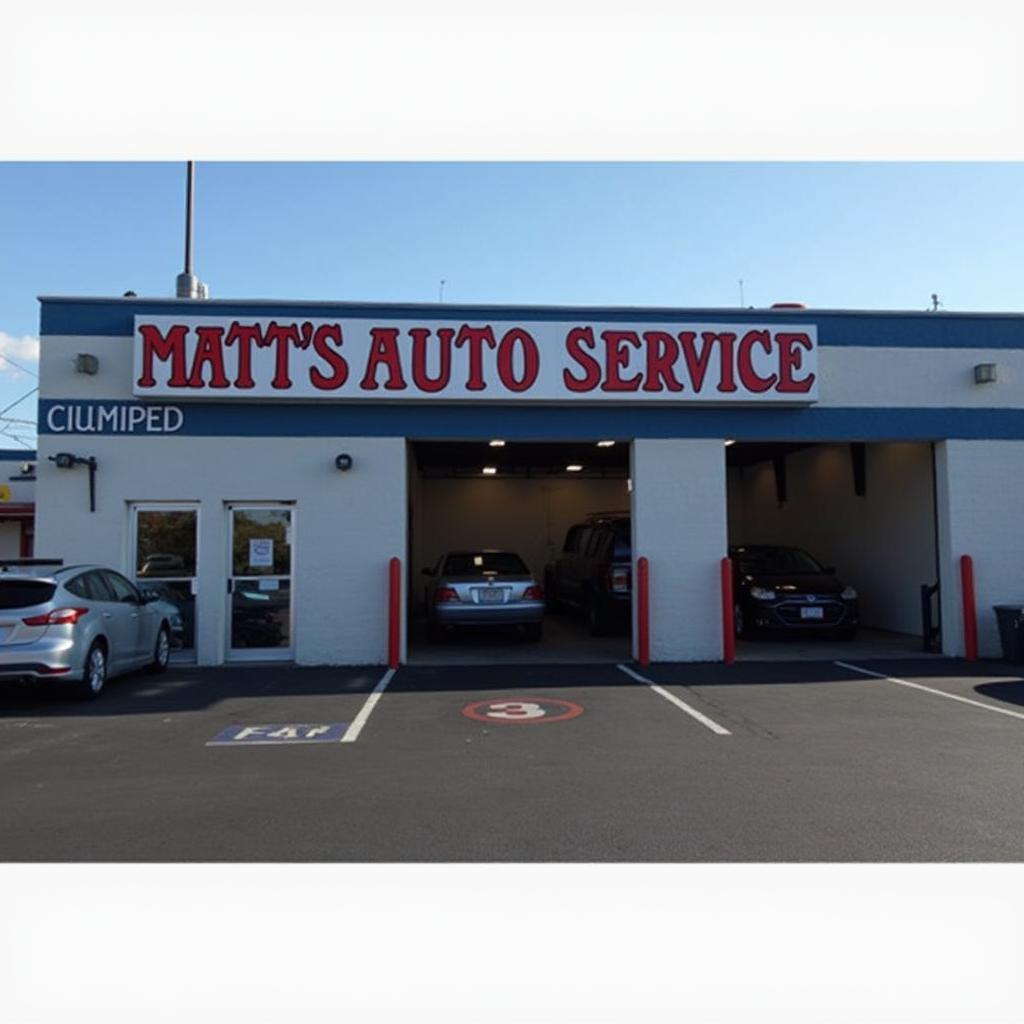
(522, 710)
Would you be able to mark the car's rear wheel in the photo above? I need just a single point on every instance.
(94, 673)
(161, 651)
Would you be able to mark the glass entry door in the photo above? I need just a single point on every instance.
(260, 583)
(165, 539)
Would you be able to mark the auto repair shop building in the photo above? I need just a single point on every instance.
(262, 462)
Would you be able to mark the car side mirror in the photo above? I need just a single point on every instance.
(149, 596)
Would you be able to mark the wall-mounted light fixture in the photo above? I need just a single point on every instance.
(985, 373)
(86, 363)
(343, 462)
(65, 460)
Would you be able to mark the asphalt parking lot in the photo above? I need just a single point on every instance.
(908, 760)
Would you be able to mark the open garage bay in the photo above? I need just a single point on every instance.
(524, 498)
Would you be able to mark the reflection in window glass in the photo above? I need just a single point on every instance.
(261, 613)
(260, 542)
(175, 600)
(165, 563)
(166, 543)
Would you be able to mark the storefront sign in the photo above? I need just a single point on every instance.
(223, 357)
(112, 418)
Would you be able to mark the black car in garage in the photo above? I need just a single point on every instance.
(594, 572)
(784, 589)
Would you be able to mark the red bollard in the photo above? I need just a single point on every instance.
(643, 611)
(394, 611)
(728, 614)
(970, 612)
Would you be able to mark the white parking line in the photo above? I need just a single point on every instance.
(353, 731)
(929, 689)
(672, 699)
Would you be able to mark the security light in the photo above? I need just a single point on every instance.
(985, 373)
(65, 460)
(86, 363)
(343, 462)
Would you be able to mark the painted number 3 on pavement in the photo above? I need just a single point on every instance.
(522, 709)
(515, 709)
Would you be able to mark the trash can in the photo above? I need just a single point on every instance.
(1011, 631)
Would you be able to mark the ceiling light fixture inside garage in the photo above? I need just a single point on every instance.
(727, 443)
(605, 444)
(497, 444)
(490, 470)
(573, 467)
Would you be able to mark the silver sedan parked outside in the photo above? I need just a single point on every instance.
(78, 625)
(483, 588)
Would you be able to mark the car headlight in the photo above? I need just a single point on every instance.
(849, 594)
(762, 594)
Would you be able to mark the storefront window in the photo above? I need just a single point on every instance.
(165, 562)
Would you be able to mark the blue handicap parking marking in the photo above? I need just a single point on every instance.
(271, 735)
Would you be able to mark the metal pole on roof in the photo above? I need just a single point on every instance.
(187, 285)
(190, 192)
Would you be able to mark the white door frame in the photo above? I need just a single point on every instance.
(235, 654)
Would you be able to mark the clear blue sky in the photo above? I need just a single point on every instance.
(874, 236)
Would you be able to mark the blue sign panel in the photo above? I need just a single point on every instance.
(273, 735)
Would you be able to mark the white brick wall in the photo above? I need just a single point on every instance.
(347, 525)
(980, 487)
(679, 525)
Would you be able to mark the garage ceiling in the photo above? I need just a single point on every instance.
(549, 458)
(526, 459)
(749, 453)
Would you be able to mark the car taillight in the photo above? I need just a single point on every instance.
(533, 593)
(58, 617)
(444, 594)
(618, 580)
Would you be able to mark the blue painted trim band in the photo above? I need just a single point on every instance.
(544, 423)
(18, 455)
(874, 329)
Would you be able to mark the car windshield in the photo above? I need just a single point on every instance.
(767, 560)
(484, 563)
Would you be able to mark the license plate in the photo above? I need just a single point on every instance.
(490, 596)
(812, 613)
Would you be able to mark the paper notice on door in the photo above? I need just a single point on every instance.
(269, 584)
(261, 552)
